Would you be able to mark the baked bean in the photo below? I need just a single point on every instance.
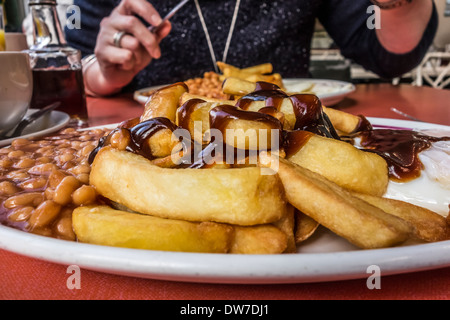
(84, 195)
(83, 178)
(17, 143)
(34, 183)
(5, 151)
(87, 150)
(68, 165)
(45, 213)
(42, 160)
(16, 154)
(25, 163)
(44, 149)
(80, 169)
(46, 232)
(209, 85)
(55, 178)
(43, 169)
(8, 188)
(18, 175)
(49, 193)
(63, 192)
(24, 199)
(120, 139)
(98, 132)
(20, 214)
(84, 162)
(76, 145)
(64, 228)
(42, 181)
(68, 131)
(6, 163)
(65, 157)
(85, 137)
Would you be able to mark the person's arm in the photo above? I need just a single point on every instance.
(402, 28)
(116, 64)
(397, 47)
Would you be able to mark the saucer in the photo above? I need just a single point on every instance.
(45, 125)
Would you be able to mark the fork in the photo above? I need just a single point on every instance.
(154, 29)
(405, 114)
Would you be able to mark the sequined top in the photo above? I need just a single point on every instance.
(273, 31)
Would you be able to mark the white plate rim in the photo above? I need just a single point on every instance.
(326, 98)
(62, 119)
(235, 269)
(348, 87)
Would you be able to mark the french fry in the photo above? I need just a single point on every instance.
(264, 68)
(161, 144)
(257, 73)
(345, 165)
(305, 227)
(238, 87)
(232, 71)
(240, 196)
(286, 108)
(263, 239)
(222, 66)
(164, 102)
(103, 225)
(188, 96)
(275, 79)
(246, 130)
(287, 225)
(194, 117)
(342, 121)
(428, 225)
(335, 208)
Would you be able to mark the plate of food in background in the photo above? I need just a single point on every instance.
(330, 92)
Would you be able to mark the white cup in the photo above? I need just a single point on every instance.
(15, 41)
(16, 88)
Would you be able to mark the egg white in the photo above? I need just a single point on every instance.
(432, 189)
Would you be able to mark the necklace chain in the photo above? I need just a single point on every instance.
(208, 38)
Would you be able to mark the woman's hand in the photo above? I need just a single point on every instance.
(118, 65)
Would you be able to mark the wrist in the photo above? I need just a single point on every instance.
(95, 84)
(87, 63)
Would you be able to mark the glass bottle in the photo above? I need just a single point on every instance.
(57, 68)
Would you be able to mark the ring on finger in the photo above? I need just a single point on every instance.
(117, 38)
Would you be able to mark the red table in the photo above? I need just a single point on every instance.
(29, 278)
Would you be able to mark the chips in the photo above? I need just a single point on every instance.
(347, 166)
(161, 201)
(262, 72)
(104, 225)
(335, 208)
(240, 196)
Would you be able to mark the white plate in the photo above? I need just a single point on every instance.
(330, 92)
(324, 257)
(45, 125)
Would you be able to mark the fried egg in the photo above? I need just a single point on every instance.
(432, 189)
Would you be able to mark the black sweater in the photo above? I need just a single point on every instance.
(276, 31)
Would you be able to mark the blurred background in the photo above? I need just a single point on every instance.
(326, 60)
